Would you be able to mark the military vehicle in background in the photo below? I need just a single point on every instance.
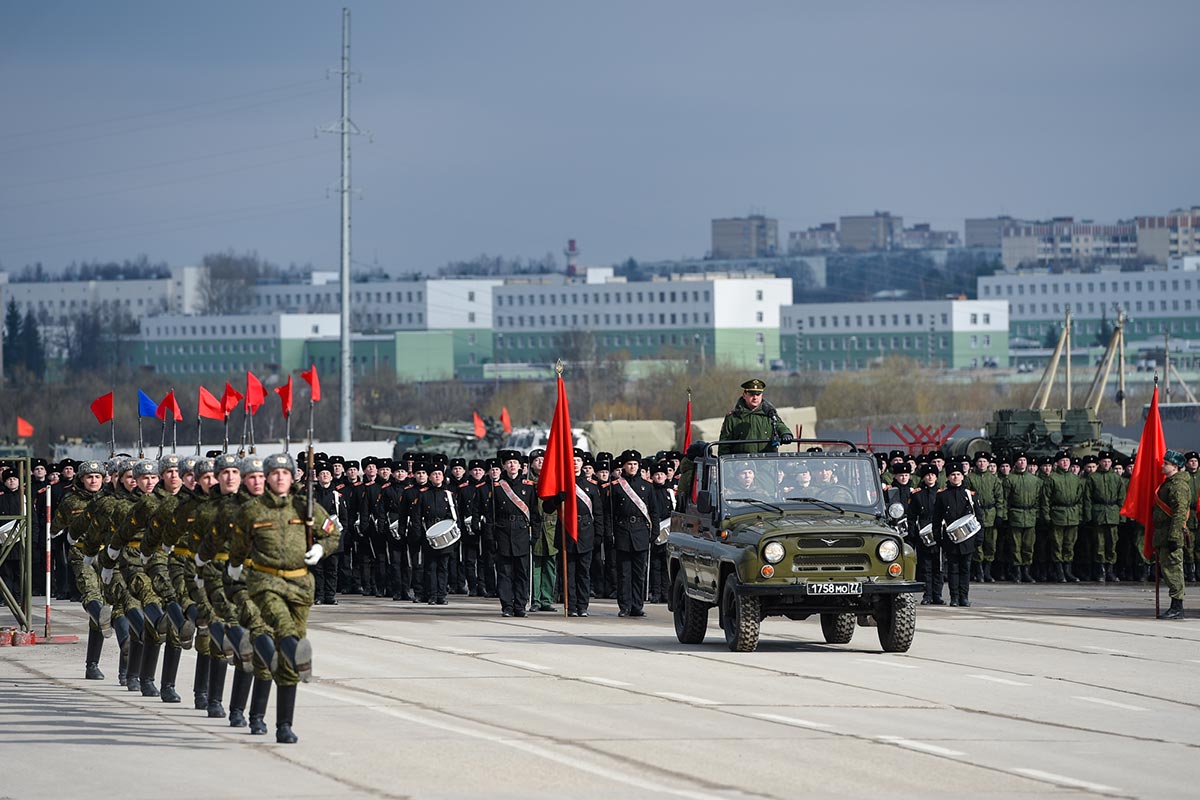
(454, 439)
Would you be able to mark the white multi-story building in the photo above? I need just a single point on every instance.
(719, 318)
(948, 334)
(1172, 235)
(1064, 239)
(56, 303)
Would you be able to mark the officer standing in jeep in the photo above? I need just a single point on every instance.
(754, 418)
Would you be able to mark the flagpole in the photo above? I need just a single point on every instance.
(562, 524)
(242, 446)
(112, 435)
(225, 443)
(174, 437)
(141, 447)
(287, 431)
(162, 439)
(252, 448)
(1157, 560)
(199, 428)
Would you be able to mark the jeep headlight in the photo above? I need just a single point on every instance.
(888, 550)
(773, 553)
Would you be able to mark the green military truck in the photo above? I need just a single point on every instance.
(791, 534)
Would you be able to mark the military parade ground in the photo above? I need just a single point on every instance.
(1043, 691)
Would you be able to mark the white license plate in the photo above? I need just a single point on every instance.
(833, 588)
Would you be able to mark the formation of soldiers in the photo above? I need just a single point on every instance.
(1054, 519)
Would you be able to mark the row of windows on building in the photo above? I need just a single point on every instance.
(847, 364)
(249, 329)
(214, 367)
(1122, 285)
(1134, 306)
(128, 302)
(826, 321)
(380, 318)
(330, 299)
(574, 320)
(1134, 326)
(634, 340)
(871, 343)
(209, 348)
(608, 297)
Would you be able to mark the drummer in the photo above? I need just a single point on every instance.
(953, 503)
(435, 505)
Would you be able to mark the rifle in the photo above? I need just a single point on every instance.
(308, 475)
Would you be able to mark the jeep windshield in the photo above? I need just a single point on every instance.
(800, 481)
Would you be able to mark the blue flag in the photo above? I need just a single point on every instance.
(146, 406)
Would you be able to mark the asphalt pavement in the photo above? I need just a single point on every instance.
(1034, 691)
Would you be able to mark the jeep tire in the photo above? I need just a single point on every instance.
(838, 628)
(691, 616)
(740, 617)
(897, 623)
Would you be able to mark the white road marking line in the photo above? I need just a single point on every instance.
(1111, 703)
(606, 682)
(799, 723)
(994, 679)
(572, 760)
(524, 664)
(687, 698)
(923, 747)
(1063, 780)
(1107, 650)
(1194, 660)
(885, 663)
(458, 651)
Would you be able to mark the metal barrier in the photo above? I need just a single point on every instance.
(19, 537)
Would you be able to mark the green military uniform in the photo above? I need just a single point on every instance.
(1062, 505)
(1171, 538)
(70, 516)
(759, 423)
(1023, 493)
(1103, 496)
(990, 506)
(545, 565)
(1190, 558)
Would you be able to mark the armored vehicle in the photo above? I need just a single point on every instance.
(795, 535)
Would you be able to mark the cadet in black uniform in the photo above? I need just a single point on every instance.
(635, 518)
(510, 514)
(954, 502)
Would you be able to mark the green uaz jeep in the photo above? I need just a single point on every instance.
(791, 534)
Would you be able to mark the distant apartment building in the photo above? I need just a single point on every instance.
(821, 239)
(986, 231)
(701, 318)
(1169, 236)
(947, 334)
(755, 236)
(880, 231)
(56, 303)
(1063, 239)
(922, 237)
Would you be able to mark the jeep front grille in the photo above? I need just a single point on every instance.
(826, 542)
(846, 562)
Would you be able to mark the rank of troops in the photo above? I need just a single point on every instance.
(1054, 519)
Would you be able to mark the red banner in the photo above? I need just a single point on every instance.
(209, 406)
(169, 404)
(314, 382)
(255, 396)
(24, 428)
(102, 408)
(285, 396)
(558, 471)
(1147, 475)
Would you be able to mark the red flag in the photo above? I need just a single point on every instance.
(210, 407)
(504, 420)
(102, 407)
(1147, 475)
(255, 396)
(285, 396)
(24, 429)
(558, 471)
(687, 425)
(229, 400)
(169, 403)
(480, 428)
(314, 382)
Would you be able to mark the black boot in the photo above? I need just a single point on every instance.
(1098, 572)
(285, 709)
(1059, 576)
(1067, 571)
(133, 677)
(297, 654)
(258, 706)
(156, 618)
(137, 623)
(150, 653)
(1109, 575)
(101, 616)
(239, 648)
(217, 671)
(987, 572)
(238, 695)
(1189, 572)
(169, 671)
(1174, 612)
(122, 661)
(95, 643)
(200, 682)
(1028, 574)
(216, 632)
(184, 627)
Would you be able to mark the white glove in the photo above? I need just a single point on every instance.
(89, 560)
(234, 573)
(106, 575)
(71, 540)
(168, 549)
(314, 555)
(200, 562)
(145, 558)
(113, 554)
(196, 579)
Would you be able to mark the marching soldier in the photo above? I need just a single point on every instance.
(1172, 506)
(989, 507)
(1062, 504)
(70, 516)
(953, 503)
(511, 514)
(753, 417)
(635, 520)
(271, 537)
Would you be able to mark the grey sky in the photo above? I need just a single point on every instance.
(176, 129)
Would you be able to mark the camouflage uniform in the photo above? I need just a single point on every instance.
(989, 507)
(1103, 496)
(70, 516)
(1171, 538)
